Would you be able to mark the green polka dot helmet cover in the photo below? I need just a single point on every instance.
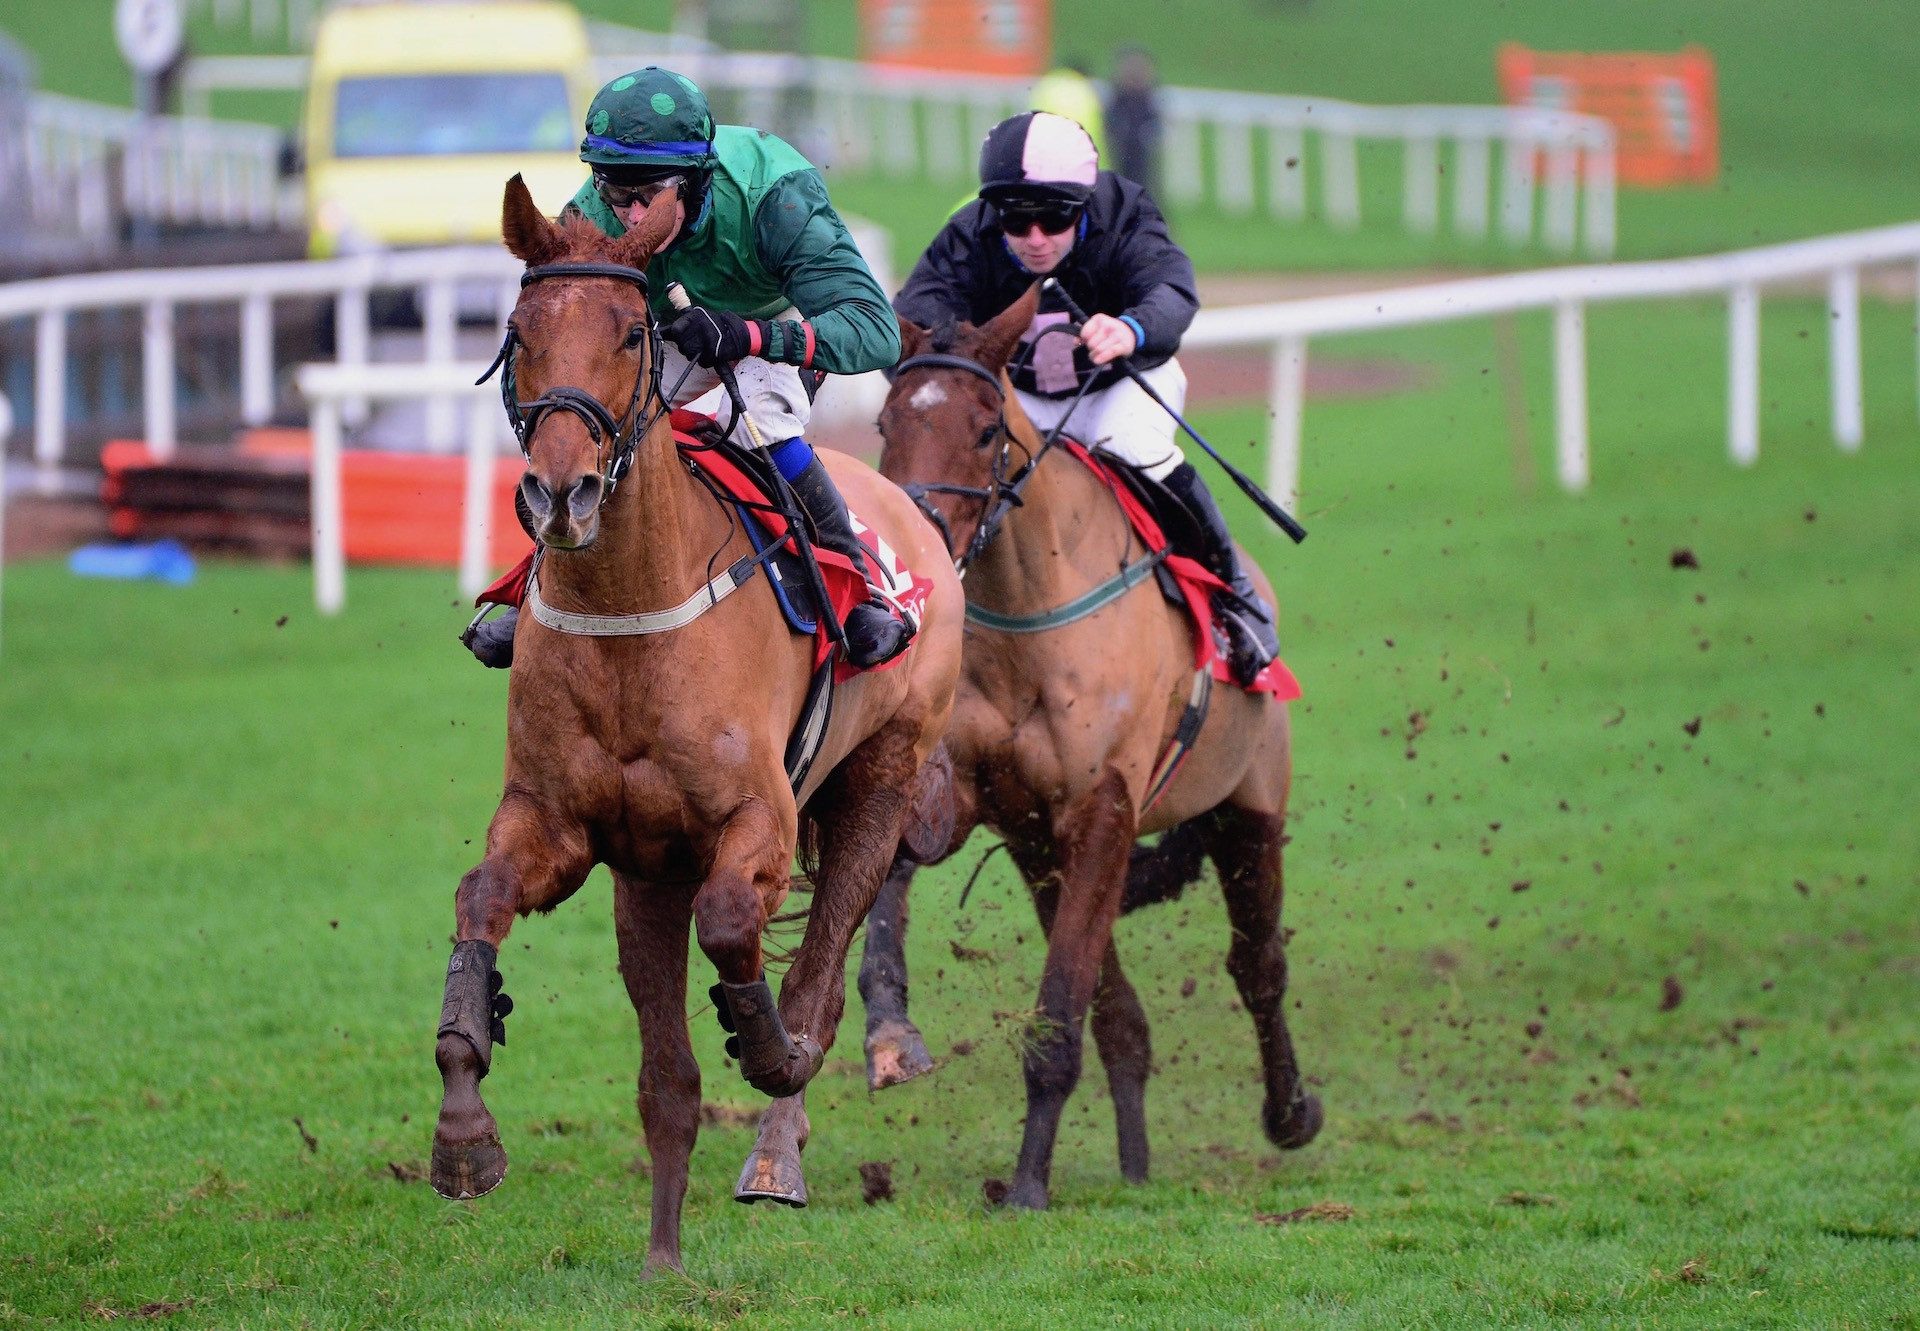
(652, 116)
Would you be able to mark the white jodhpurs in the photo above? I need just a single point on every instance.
(776, 400)
(1121, 420)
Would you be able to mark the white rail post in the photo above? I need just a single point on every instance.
(476, 512)
(353, 341)
(1570, 392)
(1340, 176)
(1233, 166)
(329, 540)
(49, 392)
(900, 141)
(440, 321)
(1472, 158)
(6, 432)
(156, 378)
(1601, 199)
(1843, 347)
(1516, 190)
(1286, 404)
(1422, 185)
(1287, 172)
(1180, 162)
(946, 152)
(1561, 222)
(256, 359)
(1743, 374)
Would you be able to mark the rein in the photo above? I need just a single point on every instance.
(1003, 495)
(617, 438)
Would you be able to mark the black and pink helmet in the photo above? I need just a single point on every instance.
(1036, 156)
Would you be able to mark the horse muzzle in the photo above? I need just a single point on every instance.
(566, 518)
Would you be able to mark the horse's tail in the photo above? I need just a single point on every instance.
(928, 831)
(1162, 871)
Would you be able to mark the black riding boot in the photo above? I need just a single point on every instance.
(1251, 633)
(492, 641)
(873, 634)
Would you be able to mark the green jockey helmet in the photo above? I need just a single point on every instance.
(651, 119)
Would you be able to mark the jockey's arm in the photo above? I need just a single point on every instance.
(941, 286)
(1161, 292)
(848, 326)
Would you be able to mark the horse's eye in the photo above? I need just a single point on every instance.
(636, 335)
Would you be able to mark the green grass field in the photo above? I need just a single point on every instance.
(1813, 128)
(232, 831)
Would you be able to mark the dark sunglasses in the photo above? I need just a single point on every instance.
(1016, 219)
(645, 192)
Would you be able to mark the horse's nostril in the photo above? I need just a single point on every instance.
(584, 498)
(539, 499)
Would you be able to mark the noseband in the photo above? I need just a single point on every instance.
(617, 437)
(1003, 495)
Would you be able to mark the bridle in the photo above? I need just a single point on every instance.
(1002, 496)
(616, 439)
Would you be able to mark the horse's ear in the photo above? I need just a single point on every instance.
(654, 229)
(995, 339)
(913, 338)
(529, 235)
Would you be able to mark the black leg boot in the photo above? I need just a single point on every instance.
(491, 640)
(1249, 619)
(873, 634)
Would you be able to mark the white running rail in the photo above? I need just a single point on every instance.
(88, 163)
(1243, 153)
(1284, 329)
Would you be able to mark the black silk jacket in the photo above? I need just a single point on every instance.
(1123, 263)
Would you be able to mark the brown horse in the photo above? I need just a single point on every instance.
(1055, 740)
(659, 754)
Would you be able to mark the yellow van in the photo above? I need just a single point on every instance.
(418, 112)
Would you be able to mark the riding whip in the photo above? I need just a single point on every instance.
(1284, 520)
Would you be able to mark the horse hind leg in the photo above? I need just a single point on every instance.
(651, 924)
(529, 865)
(1120, 1034)
(895, 1050)
(1245, 847)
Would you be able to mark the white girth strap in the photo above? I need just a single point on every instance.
(652, 621)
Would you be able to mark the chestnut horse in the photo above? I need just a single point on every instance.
(1055, 739)
(659, 754)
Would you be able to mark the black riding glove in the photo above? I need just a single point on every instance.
(710, 337)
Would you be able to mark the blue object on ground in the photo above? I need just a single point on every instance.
(162, 561)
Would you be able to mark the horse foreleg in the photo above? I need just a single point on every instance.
(1246, 849)
(651, 924)
(751, 863)
(531, 864)
(1094, 833)
(859, 812)
(894, 1047)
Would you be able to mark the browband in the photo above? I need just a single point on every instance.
(939, 360)
(618, 271)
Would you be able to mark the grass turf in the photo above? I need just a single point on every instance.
(1614, 1020)
(1809, 129)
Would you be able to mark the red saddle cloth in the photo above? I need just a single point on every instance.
(904, 590)
(1197, 585)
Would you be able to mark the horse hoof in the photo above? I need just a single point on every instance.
(1026, 1195)
(464, 1170)
(895, 1053)
(662, 1263)
(771, 1178)
(1300, 1125)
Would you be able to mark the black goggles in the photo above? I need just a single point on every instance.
(619, 194)
(1016, 219)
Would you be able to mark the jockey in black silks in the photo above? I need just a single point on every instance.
(777, 285)
(1046, 210)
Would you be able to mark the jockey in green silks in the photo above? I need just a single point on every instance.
(776, 283)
